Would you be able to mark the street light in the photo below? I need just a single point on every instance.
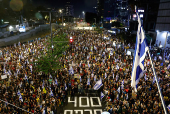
(50, 27)
(83, 14)
(62, 16)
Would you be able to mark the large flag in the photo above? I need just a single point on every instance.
(98, 85)
(140, 52)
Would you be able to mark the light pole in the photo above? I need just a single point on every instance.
(83, 15)
(50, 28)
(95, 20)
(62, 16)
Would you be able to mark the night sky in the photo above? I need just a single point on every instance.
(78, 5)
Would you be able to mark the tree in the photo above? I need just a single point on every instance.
(50, 63)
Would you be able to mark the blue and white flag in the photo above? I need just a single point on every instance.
(43, 84)
(160, 57)
(117, 77)
(168, 66)
(71, 71)
(105, 75)
(153, 80)
(65, 86)
(145, 77)
(127, 96)
(88, 81)
(80, 64)
(118, 90)
(20, 98)
(56, 82)
(9, 73)
(140, 52)
(155, 58)
(117, 67)
(18, 93)
(98, 85)
(88, 65)
(168, 107)
(95, 78)
(80, 79)
(26, 77)
(51, 93)
(101, 96)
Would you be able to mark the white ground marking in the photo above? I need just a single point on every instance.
(78, 111)
(95, 111)
(75, 101)
(65, 111)
(80, 103)
(92, 105)
(85, 110)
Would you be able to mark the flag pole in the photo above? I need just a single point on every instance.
(160, 93)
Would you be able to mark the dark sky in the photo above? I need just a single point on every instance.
(78, 5)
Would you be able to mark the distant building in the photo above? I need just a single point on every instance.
(69, 11)
(163, 24)
(163, 18)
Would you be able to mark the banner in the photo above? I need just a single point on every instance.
(76, 75)
(3, 77)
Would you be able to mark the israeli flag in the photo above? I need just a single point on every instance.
(127, 96)
(117, 77)
(160, 57)
(103, 61)
(155, 58)
(101, 96)
(122, 82)
(168, 66)
(51, 93)
(56, 82)
(43, 84)
(105, 75)
(9, 73)
(145, 77)
(118, 90)
(95, 78)
(168, 107)
(117, 67)
(65, 86)
(20, 98)
(50, 76)
(80, 64)
(88, 65)
(26, 77)
(18, 71)
(98, 85)
(140, 52)
(31, 68)
(71, 71)
(18, 93)
(153, 80)
(80, 79)
(88, 81)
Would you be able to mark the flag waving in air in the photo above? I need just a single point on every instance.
(139, 55)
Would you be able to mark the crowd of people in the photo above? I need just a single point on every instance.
(89, 59)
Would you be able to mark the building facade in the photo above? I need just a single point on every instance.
(163, 24)
(69, 11)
